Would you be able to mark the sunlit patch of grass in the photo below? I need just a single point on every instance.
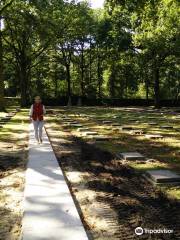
(147, 166)
(173, 192)
(15, 126)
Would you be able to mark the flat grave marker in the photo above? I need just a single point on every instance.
(137, 132)
(131, 156)
(10, 115)
(153, 123)
(72, 122)
(90, 133)
(154, 136)
(126, 128)
(166, 127)
(83, 129)
(101, 138)
(115, 129)
(67, 121)
(137, 121)
(132, 120)
(162, 177)
(78, 125)
(116, 125)
(107, 122)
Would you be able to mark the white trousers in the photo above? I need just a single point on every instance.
(38, 126)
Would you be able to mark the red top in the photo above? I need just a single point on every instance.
(37, 112)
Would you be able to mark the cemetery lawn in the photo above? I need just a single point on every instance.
(13, 159)
(111, 197)
(163, 153)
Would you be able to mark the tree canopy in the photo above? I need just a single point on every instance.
(55, 48)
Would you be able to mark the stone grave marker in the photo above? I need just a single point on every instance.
(70, 122)
(162, 177)
(131, 156)
(166, 127)
(116, 125)
(78, 125)
(83, 129)
(116, 129)
(107, 122)
(137, 121)
(126, 128)
(101, 138)
(137, 132)
(154, 136)
(10, 114)
(90, 133)
(152, 123)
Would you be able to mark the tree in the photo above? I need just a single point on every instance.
(3, 6)
(26, 35)
(157, 36)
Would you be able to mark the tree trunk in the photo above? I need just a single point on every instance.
(147, 88)
(82, 73)
(24, 80)
(146, 76)
(112, 81)
(56, 88)
(156, 87)
(24, 87)
(99, 77)
(68, 77)
(90, 63)
(2, 101)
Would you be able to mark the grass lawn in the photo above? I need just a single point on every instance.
(164, 152)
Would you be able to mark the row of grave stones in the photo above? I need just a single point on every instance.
(92, 134)
(154, 176)
(137, 131)
(113, 124)
(8, 117)
(116, 126)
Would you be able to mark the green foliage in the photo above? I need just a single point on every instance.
(128, 49)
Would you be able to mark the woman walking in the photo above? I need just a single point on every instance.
(37, 113)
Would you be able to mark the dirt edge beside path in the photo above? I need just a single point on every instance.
(13, 160)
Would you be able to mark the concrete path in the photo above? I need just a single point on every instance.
(50, 212)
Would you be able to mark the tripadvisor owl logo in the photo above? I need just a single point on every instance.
(139, 231)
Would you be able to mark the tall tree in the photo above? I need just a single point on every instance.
(28, 38)
(3, 6)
